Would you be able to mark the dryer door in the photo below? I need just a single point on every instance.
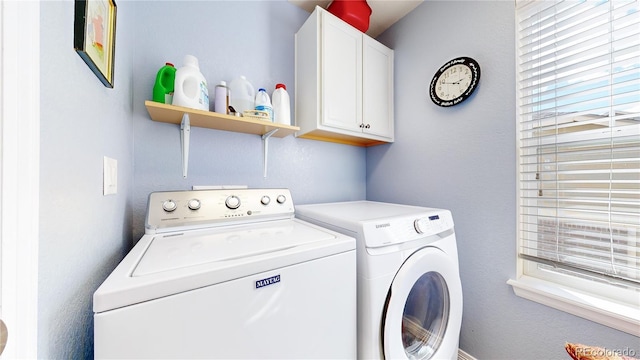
(424, 308)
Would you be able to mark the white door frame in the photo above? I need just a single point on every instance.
(19, 174)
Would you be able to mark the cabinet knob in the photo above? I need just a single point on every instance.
(367, 126)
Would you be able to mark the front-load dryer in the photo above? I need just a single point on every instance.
(409, 291)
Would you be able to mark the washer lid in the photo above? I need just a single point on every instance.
(174, 251)
(172, 263)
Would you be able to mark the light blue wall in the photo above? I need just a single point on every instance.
(83, 234)
(463, 159)
(229, 38)
(460, 158)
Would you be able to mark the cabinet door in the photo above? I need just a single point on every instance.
(377, 88)
(341, 74)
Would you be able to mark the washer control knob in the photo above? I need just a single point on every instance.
(265, 200)
(232, 202)
(420, 225)
(169, 205)
(281, 199)
(194, 204)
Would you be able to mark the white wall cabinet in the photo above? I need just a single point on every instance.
(344, 83)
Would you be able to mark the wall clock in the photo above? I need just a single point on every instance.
(454, 82)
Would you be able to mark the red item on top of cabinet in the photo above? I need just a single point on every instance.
(354, 12)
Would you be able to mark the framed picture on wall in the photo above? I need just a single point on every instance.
(94, 36)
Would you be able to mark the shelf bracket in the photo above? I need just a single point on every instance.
(265, 146)
(185, 132)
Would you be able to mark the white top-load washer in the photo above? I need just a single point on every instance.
(229, 274)
(409, 290)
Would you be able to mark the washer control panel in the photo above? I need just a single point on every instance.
(203, 208)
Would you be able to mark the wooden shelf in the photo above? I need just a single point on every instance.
(212, 120)
(186, 118)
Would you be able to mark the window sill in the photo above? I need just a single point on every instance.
(616, 315)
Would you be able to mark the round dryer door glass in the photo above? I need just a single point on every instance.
(425, 317)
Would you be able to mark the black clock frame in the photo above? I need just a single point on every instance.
(475, 70)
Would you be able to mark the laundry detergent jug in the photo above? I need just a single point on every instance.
(164, 85)
(191, 87)
(242, 95)
(281, 105)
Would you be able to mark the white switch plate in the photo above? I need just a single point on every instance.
(110, 176)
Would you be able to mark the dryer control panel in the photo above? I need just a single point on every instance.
(173, 210)
(432, 224)
(403, 229)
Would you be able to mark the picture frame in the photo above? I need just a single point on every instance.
(94, 36)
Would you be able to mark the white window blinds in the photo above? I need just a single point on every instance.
(579, 113)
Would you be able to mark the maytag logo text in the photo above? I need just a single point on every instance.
(268, 281)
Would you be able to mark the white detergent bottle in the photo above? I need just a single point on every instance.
(281, 105)
(191, 87)
(242, 94)
(263, 103)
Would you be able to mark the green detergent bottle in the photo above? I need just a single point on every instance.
(164, 86)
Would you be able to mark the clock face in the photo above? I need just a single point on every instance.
(454, 82)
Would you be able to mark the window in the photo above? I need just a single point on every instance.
(579, 155)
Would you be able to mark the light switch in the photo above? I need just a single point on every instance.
(110, 176)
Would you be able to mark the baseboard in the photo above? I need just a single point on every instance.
(464, 356)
